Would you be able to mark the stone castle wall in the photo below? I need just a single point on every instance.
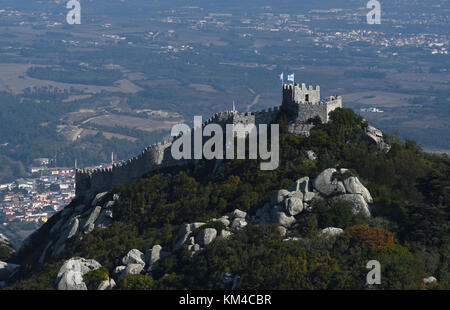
(89, 182)
(308, 110)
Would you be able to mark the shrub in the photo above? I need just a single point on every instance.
(136, 282)
(373, 237)
(94, 277)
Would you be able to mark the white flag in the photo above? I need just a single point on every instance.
(282, 76)
(291, 77)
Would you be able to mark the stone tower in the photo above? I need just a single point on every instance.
(304, 103)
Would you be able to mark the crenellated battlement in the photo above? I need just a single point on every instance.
(305, 102)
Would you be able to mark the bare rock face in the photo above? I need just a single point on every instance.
(70, 275)
(184, 233)
(153, 255)
(134, 257)
(354, 186)
(359, 204)
(376, 136)
(206, 236)
(327, 185)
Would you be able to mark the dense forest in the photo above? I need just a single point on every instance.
(408, 232)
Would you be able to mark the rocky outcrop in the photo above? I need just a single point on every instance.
(350, 189)
(359, 204)
(326, 185)
(134, 257)
(184, 233)
(376, 136)
(354, 186)
(206, 236)
(286, 206)
(284, 209)
(82, 218)
(293, 203)
(70, 275)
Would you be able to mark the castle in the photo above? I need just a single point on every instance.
(301, 102)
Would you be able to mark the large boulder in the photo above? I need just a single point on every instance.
(70, 275)
(294, 203)
(134, 256)
(284, 220)
(327, 185)
(303, 185)
(376, 136)
(279, 197)
(238, 224)
(359, 204)
(184, 233)
(238, 214)
(154, 254)
(132, 269)
(354, 186)
(331, 231)
(206, 236)
(225, 220)
(225, 234)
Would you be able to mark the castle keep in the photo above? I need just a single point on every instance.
(305, 103)
(302, 103)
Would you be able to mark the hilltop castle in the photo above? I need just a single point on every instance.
(301, 102)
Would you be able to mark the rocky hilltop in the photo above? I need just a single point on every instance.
(342, 196)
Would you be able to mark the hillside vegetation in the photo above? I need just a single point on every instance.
(408, 232)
